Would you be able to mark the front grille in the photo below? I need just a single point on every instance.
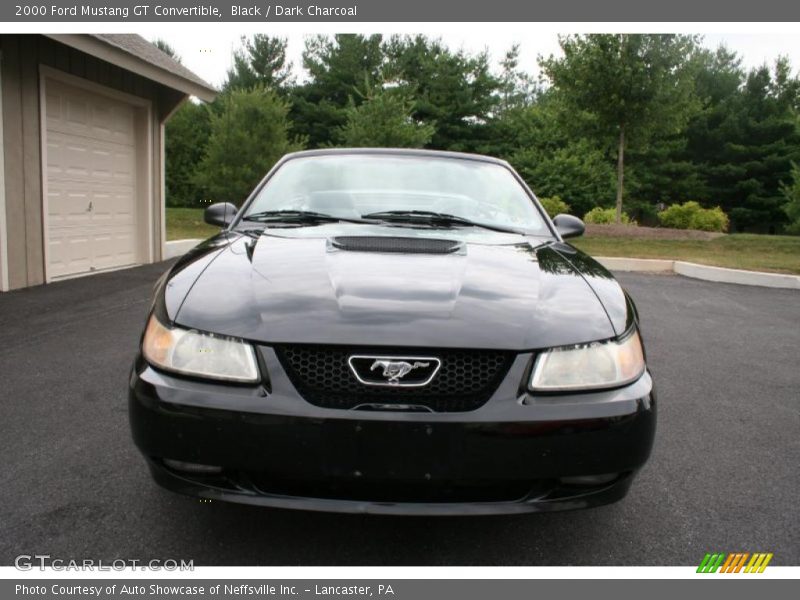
(395, 244)
(465, 381)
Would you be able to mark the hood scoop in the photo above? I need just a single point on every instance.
(399, 245)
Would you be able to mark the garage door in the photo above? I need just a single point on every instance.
(91, 181)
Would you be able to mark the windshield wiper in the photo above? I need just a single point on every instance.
(299, 216)
(435, 218)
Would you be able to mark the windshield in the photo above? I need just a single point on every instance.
(353, 185)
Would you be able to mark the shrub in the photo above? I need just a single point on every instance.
(554, 206)
(606, 216)
(711, 219)
(690, 215)
(679, 216)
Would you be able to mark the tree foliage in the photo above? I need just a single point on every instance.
(261, 60)
(791, 193)
(515, 87)
(744, 143)
(248, 134)
(186, 134)
(336, 67)
(553, 161)
(554, 206)
(652, 119)
(454, 90)
(633, 86)
(383, 120)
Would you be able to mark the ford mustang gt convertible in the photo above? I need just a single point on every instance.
(397, 332)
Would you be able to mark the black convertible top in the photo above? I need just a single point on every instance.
(398, 152)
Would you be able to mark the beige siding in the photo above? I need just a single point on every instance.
(14, 164)
(22, 56)
(32, 157)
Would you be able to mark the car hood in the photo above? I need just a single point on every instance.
(497, 291)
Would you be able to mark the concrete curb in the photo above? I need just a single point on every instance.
(776, 280)
(705, 272)
(615, 263)
(176, 248)
(644, 265)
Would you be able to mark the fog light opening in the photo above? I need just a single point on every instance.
(589, 479)
(190, 467)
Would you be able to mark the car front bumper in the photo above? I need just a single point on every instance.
(517, 453)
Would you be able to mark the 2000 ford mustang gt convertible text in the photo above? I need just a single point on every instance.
(392, 331)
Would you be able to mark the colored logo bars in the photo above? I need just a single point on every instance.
(735, 562)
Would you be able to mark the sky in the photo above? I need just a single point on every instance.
(209, 56)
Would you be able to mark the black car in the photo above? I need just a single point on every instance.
(392, 331)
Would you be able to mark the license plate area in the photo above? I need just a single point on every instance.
(387, 451)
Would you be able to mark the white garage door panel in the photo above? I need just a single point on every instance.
(74, 111)
(109, 250)
(91, 181)
(78, 158)
(70, 252)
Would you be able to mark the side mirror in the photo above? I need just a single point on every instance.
(569, 226)
(220, 214)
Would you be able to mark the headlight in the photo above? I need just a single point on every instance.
(589, 366)
(200, 354)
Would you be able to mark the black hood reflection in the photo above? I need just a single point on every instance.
(284, 289)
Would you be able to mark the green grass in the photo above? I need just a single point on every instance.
(777, 253)
(185, 223)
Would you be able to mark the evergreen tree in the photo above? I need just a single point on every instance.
(186, 136)
(791, 193)
(249, 133)
(383, 120)
(336, 67)
(454, 90)
(745, 144)
(261, 60)
(665, 171)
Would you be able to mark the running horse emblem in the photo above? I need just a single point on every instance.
(395, 370)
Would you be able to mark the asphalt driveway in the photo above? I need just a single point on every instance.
(724, 475)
